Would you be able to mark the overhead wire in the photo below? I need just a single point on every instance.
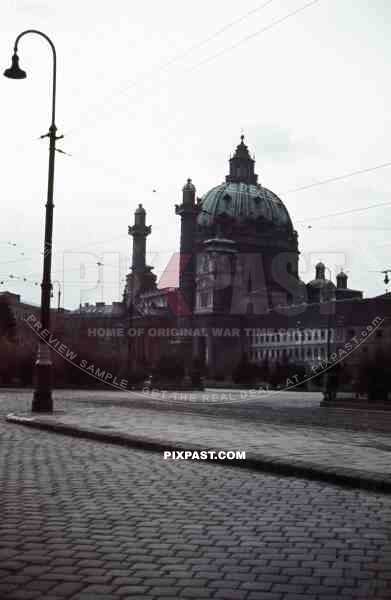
(176, 58)
(307, 219)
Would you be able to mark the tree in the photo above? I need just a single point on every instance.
(246, 371)
(8, 349)
(7, 320)
(170, 368)
(197, 371)
(332, 380)
(374, 375)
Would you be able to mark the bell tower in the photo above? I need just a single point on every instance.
(140, 278)
(342, 280)
(188, 212)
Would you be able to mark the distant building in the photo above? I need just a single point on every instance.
(25, 335)
(239, 293)
(98, 327)
(239, 220)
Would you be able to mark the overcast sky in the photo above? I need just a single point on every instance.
(152, 93)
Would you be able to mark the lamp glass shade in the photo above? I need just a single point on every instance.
(15, 72)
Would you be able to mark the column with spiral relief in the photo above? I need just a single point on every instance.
(187, 266)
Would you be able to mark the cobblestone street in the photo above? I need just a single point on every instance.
(84, 520)
(292, 432)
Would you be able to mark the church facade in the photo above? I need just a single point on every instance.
(239, 290)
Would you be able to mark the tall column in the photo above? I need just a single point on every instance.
(187, 211)
(139, 231)
(187, 266)
(137, 280)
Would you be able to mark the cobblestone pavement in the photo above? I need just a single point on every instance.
(363, 454)
(85, 520)
(291, 408)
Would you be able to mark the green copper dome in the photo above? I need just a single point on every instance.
(245, 202)
(242, 197)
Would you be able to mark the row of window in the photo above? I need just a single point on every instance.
(307, 335)
(21, 316)
(309, 354)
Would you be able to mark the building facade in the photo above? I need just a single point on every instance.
(239, 294)
(239, 288)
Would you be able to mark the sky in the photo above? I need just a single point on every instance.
(151, 93)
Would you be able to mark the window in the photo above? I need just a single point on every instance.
(204, 299)
(204, 263)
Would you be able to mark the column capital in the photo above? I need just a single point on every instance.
(139, 230)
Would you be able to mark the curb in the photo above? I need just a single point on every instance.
(256, 462)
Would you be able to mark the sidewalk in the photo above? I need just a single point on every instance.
(354, 458)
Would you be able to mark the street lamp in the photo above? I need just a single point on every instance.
(42, 399)
(327, 380)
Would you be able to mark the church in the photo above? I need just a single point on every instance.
(239, 290)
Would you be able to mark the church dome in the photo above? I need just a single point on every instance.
(242, 198)
(321, 289)
(321, 283)
(320, 280)
(244, 201)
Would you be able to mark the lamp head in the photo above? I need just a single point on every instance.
(15, 72)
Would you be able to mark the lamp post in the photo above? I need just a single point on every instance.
(42, 399)
(327, 382)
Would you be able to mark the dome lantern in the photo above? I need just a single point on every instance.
(320, 271)
(241, 166)
(342, 280)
